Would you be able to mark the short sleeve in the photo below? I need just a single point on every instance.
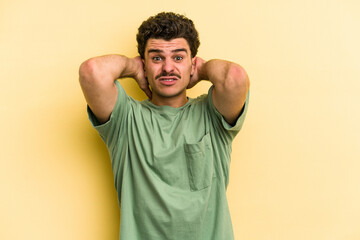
(232, 129)
(110, 130)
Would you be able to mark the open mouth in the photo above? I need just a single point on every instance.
(168, 81)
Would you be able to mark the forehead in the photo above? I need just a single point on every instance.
(167, 46)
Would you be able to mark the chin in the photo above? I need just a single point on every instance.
(170, 94)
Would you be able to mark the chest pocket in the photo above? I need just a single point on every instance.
(199, 163)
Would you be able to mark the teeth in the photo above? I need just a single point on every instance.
(168, 80)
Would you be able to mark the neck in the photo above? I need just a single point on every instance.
(174, 102)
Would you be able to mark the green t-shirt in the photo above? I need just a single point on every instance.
(171, 168)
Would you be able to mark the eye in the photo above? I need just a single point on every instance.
(156, 58)
(178, 58)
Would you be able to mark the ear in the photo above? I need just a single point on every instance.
(143, 61)
(193, 65)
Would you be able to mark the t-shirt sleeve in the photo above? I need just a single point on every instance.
(110, 130)
(232, 130)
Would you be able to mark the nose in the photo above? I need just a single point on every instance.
(168, 66)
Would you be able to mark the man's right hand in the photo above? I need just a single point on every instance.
(139, 75)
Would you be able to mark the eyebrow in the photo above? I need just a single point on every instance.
(160, 51)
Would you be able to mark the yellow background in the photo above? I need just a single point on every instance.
(295, 165)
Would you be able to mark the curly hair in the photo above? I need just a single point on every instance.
(168, 26)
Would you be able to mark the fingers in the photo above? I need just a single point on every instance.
(193, 81)
(144, 85)
(148, 92)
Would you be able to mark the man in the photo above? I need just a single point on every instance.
(170, 154)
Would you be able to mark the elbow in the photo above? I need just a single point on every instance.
(237, 79)
(87, 70)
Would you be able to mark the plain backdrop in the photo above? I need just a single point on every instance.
(295, 164)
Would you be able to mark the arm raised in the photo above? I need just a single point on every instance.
(231, 85)
(97, 80)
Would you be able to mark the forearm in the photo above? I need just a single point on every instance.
(223, 73)
(106, 69)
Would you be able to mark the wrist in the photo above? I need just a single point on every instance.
(203, 75)
(200, 71)
(130, 67)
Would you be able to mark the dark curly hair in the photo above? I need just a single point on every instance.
(168, 26)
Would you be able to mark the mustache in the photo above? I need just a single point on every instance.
(165, 74)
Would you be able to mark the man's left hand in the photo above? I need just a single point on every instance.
(199, 72)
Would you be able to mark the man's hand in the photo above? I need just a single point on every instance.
(199, 72)
(139, 75)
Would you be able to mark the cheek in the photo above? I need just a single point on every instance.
(189, 70)
(151, 70)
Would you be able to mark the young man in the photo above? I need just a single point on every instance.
(170, 154)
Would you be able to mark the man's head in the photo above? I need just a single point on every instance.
(168, 26)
